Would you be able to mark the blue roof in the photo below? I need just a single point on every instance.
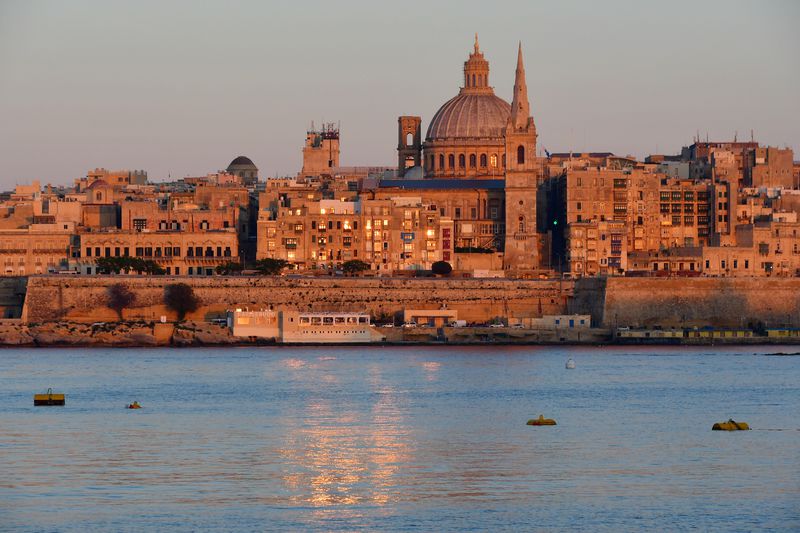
(443, 184)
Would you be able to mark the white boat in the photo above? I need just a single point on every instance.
(570, 363)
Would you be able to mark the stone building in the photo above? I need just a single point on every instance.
(321, 151)
(178, 252)
(36, 249)
(470, 187)
(766, 248)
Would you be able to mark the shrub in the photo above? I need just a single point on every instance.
(441, 268)
(269, 266)
(354, 266)
(226, 269)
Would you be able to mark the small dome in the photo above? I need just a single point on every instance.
(470, 116)
(96, 184)
(241, 163)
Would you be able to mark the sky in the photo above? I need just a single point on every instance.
(179, 87)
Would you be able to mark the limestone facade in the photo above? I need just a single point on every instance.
(178, 252)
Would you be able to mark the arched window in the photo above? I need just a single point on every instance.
(483, 160)
(473, 80)
(410, 139)
(494, 160)
(520, 154)
(461, 161)
(472, 160)
(451, 161)
(441, 161)
(430, 162)
(522, 224)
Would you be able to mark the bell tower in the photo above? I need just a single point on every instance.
(522, 173)
(409, 143)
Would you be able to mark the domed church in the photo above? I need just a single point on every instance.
(475, 138)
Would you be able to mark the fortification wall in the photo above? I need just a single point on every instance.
(612, 302)
(688, 302)
(83, 299)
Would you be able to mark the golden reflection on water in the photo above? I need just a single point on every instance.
(338, 457)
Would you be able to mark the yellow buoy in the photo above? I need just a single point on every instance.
(730, 425)
(541, 421)
(49, 398)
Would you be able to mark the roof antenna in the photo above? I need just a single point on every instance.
(735, 136)
(751, 135)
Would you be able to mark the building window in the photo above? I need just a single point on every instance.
(520, 155)
(483, 160)
(458, 212)
(461, 161)
(441, 161)
(139, 224)
(204, 224)
(472, 160)
(493, 160)
(451, 161)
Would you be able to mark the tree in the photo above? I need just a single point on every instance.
(269, 266)
(180, 298)
(226, 269)
(115, 265)
(119, 297)
(441, 268)
(354, 266)
(149, 266)
(111, 265)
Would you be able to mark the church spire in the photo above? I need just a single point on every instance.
(520, 108)
(477, 49)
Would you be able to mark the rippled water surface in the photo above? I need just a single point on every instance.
(425, 439)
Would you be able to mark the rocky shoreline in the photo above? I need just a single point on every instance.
(198, 333)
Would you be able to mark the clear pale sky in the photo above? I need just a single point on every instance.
(182, 87)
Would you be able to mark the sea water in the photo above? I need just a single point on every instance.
(400, 438)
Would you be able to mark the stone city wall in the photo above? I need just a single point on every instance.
(612, 302)
(83, 298)
(689, 302)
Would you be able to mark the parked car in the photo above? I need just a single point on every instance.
(410, 325)
(497, 325)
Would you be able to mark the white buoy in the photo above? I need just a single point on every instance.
(570, 364)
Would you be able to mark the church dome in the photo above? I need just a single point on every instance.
(242, 162)
(470, 116)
